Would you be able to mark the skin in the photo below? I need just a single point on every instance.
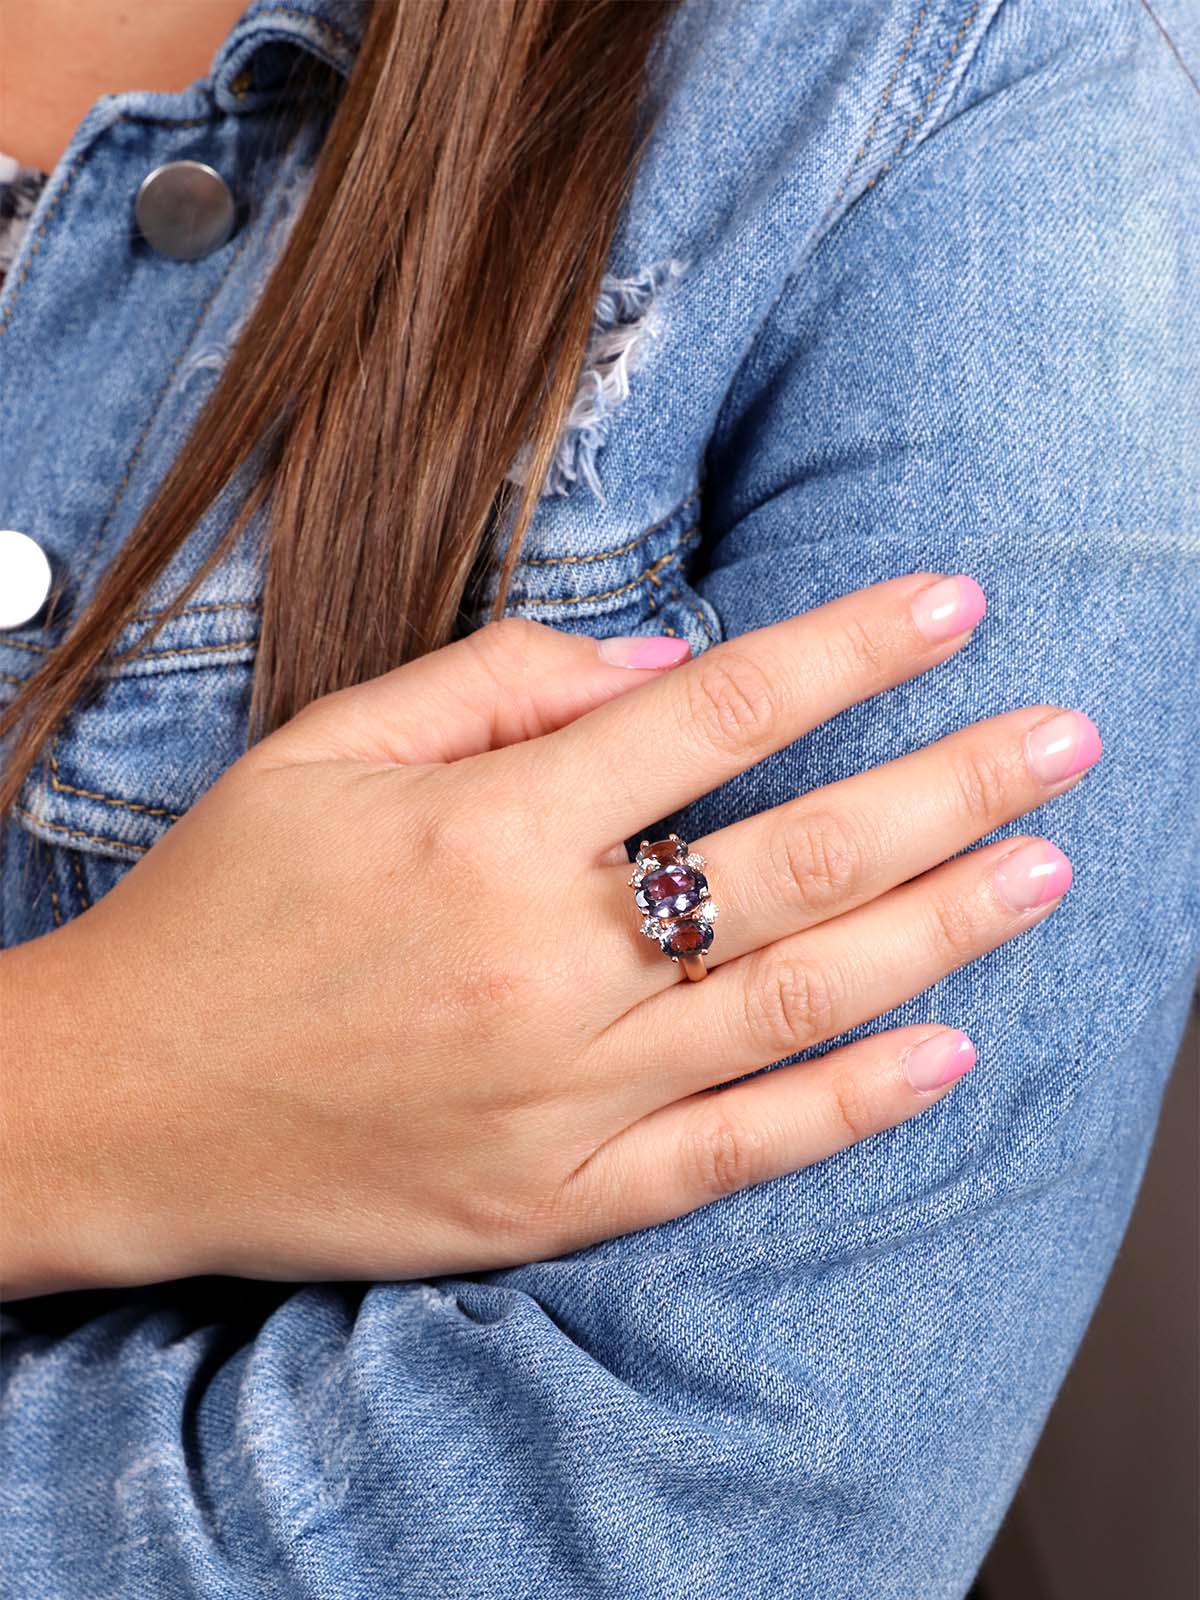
(377, 1006)
(60, 56)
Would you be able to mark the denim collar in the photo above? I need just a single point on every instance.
(250, 68)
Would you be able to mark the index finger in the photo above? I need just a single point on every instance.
(644, 756)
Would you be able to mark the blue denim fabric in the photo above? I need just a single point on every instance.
(919, 287)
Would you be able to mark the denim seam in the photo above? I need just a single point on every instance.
(188, 650)
(148, 616)
(36, 243)
(677, 594)
(647, 575)
(617, 550)
(79, 833)
(57, 909)
(84, 902)
(109, 800)
(916, 122)
(884, 101)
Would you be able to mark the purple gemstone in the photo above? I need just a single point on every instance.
(670, 891)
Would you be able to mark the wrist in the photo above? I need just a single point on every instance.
(78, 1198)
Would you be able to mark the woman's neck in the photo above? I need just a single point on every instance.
(57, 57)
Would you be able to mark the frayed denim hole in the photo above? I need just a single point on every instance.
(625, 321)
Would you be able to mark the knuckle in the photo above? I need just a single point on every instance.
(507, 636)
(862, 653)
(732, 701)
(439, 822)
(788, 1006)
(505, 647)
(851, 1108)
(722, 1154)
(983, 781)
(955, 928)
(817, 861)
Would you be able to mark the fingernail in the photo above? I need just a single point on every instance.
(1066, 744)
(935, 1062)
(1032, 875)
(656, 651)
(948, 607)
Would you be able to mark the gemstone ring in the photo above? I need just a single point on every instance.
(672, 894)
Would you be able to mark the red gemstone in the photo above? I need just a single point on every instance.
(689, 938)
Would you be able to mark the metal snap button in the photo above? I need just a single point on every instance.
(24, 578)
(184, 210)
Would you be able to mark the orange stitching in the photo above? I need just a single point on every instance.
(58, 917)
(11, 677)
(698, 614)
(881, 108)
(109, 800)
(648, 575)
(77, 833)
(925, 104)
(191, 650)
(146, 655)
(80, 890)
(618, 550)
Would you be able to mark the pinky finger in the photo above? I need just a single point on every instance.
(711, 1144)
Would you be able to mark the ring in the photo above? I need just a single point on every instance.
(672, 894)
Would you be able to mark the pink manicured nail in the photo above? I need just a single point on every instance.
(656, 651)
(1032, 875)
(1066, 744)
(938, 1061)
(947, 608)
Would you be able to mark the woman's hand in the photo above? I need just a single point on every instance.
(377, 1007)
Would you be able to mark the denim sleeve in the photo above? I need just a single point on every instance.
(827, 1385)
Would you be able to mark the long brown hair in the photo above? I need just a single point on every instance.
(424, 325)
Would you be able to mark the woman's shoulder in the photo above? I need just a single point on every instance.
(769, 124)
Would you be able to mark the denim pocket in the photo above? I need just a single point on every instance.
(144, 744)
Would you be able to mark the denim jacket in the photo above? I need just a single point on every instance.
(900, 284)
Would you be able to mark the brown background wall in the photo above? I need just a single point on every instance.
(1110, 1505)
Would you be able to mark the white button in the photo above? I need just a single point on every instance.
(24, 578)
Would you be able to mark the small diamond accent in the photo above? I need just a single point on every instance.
(652, 928)
(693, 860)
(648, 863)
(707, 911)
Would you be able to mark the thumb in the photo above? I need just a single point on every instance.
(509, 681)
